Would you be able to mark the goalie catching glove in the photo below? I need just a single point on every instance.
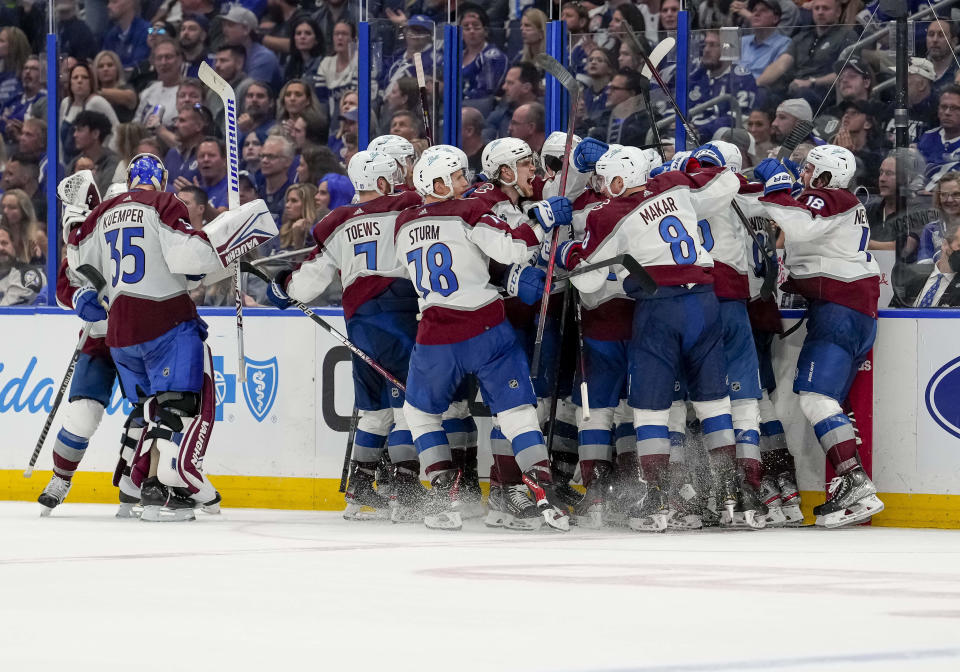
(236, 232)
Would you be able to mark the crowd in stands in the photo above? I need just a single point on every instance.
(128, 83)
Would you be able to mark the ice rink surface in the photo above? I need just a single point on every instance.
(263, 590)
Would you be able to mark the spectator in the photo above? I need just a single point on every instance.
(83, 97)
(273, 180)
(145, 73)
(667, 19)
(600, 71)
(716, 77)
(208, 9)
(854, 82)
(533, 30)
(635, 17)
(528, 124)
(351, 146)
(112, 85)
(418, 38)
(806, 68)
(150, 145)
(15, 110)
(14, 51)
(348, 124)
(789, 112)
(521, 86)
(403, 94)
(884, 206)
(337, 74)
(315, 162)
(940, 287)
(90, 132)
(921, 100)
(194, 31)
(17, 214)
(257, 117)
(760, 126)
(295, 98)
(127, 35)
(333, 190)
(407, 125)
(196, 201)
(190, 93)
(212, 169)
(627, 121)
(310, 128)
(941, 43)
(158, 102)
(239, 25)
(228, 62)
(23, 173)
(484, 65)
(629, 58)
(299, 215)
(306, 48)
(860, 133)
(250, 153)
(766, 44)
(940, 146)
(332, 12)
(577, 18)
(472, 142)
(248, 190)
(74, 36)
(280, 26)
(744, 142)
(192, 125)
(19, 283)
(127, 138)
(946, 198)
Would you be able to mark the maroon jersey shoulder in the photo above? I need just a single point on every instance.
(587, 198)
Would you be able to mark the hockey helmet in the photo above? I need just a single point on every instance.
(448, 149)
(628, 163)
(146, 169)
(437, 166)
(504, 152)
(731, 155)
(367, 167)
(554, 148)
(397, 148)
(837, 162)
(653, 158)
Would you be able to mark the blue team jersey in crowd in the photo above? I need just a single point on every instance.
(703, 86)
(483, 76)
(217, 194)
(941, 153)
(130, 46)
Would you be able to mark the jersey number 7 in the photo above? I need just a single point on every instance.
(439, 262)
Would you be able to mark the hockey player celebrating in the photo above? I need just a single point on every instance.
(355, 242)
(447, 246)
(676, 330)
(143, 242)
(826, 235)
(401, 151)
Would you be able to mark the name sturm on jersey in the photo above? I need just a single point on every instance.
(362, 230)
(122, 216)
(425, 232)
(657, 209)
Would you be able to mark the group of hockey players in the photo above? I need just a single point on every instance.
(442, 284)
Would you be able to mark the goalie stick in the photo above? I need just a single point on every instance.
(91, 274)
(247, 267)
(225, 92)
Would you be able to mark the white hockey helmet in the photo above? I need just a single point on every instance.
(366, 168)
(504, 152)
(554, 147)
(437, 166)
(397, 148)
(448, 149)
(731, 154)
(653, 158)
(836, 161)
(628, 163)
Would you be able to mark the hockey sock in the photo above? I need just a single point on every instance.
(595, 441)
(833, 430)
(430, 441)
(772, 436)
(746, 420)
(80, 422)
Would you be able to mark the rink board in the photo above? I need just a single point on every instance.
(280, 437)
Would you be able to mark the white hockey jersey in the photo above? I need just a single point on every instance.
(143, 245)
(357, 242)
(826, 234)
(446, 248)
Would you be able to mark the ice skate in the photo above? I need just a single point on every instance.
(363, 502)
(554, 512)
(851, 499)
(624, 493)
(749, 512)
(385, 478)
(129, 506)
(406, 506)
(650, 513)
(683, 509)
(790, 497)
(496, 508)
(442, 505)
(726, 492)
(164, 504)
(53, 495)
(212, 506)
(471, 496)
(770, 496)
(520, 513)
(588, 512)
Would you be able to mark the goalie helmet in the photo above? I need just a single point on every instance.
(146, 169)
(554, 148)
(504, 152)
(838, 162)
(366, 168)
(397, 148)
(731, 154)
(439, 166)
(628, 163)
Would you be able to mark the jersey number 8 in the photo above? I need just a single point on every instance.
(439, 262)
(682, 247)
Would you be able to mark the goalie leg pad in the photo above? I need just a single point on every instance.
(130, 440)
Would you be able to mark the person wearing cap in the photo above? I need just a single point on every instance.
(348, 124)
(859, 132)
(744, 142)
(941, 42)
(767, 43)
(940, 146)
(789, 112)
(194, 30)
(418, 38)
(921, 100)
(806, 68)
(127, 35)
(716, 77)
(239, 27)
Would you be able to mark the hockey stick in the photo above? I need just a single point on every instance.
(568, 82)
(247, 267)
(91, 274)
(582, 357)
(647, 283)
(422, 85)
(225, 92)
(345, 473)
(656, 57)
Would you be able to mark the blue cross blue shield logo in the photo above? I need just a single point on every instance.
(260, 390)
(942, 394)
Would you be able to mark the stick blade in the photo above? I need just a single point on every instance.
(640, 274)
(93, 275)
(657, 55)
(218, 84)
(549, 64)
(247, 267)
(794, 138)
